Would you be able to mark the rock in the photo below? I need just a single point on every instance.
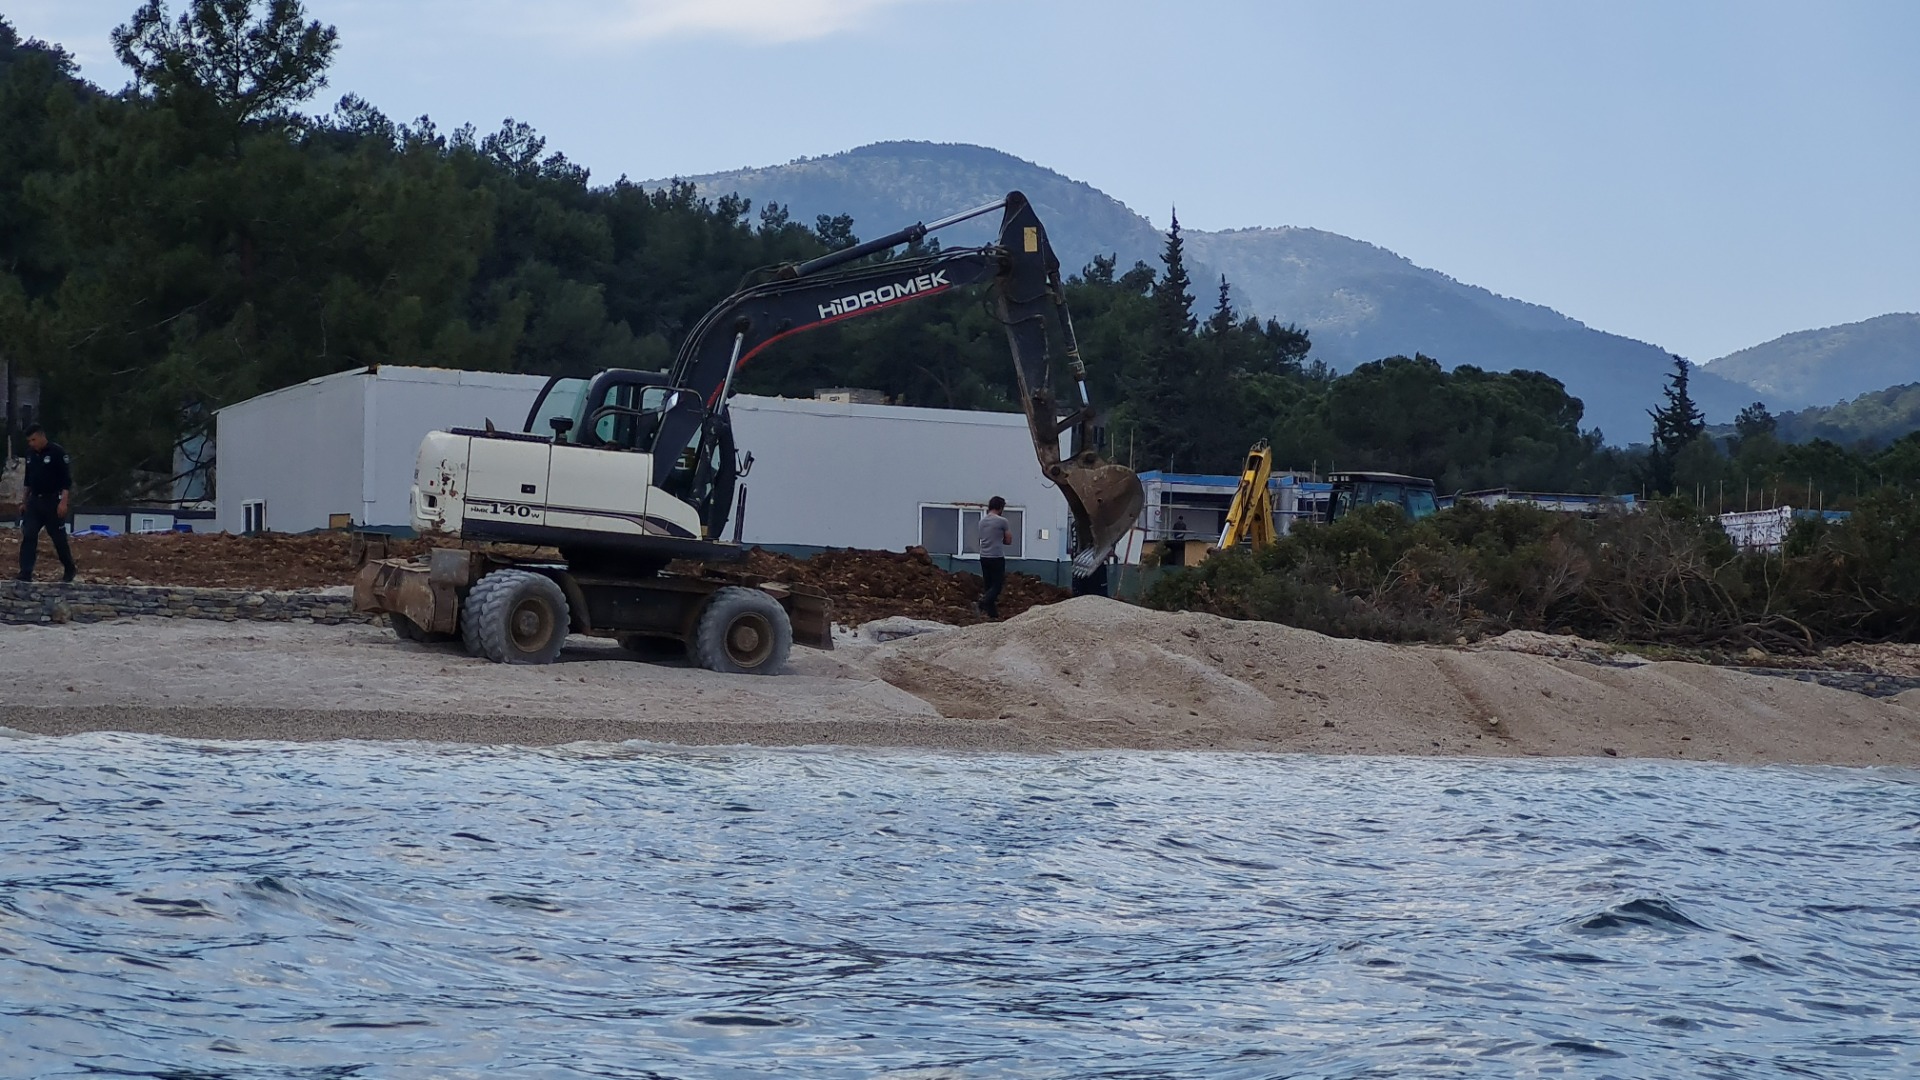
(895, 627)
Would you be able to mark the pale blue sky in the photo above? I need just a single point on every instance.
(1701, 175)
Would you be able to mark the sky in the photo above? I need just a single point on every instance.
(1702, 175)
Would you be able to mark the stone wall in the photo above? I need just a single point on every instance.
(41, 602)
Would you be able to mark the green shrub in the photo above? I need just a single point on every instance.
(1666, 574)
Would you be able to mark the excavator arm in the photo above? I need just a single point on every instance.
(1250, 517)
(1104, 499)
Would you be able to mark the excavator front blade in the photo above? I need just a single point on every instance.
(1106, 500)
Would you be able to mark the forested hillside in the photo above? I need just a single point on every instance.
(203, 236)
(1868, 421)
(1835, 364)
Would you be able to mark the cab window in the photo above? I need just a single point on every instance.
(562, 399)
(629, 415)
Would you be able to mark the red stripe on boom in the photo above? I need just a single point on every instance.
(755, 351)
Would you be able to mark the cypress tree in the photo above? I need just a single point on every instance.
(1158, 402)
(1675, 425)
(1221, 322)
(1173, 293)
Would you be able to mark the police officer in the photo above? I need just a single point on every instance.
(49, 483)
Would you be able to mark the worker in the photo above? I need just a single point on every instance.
(996, 536)
(1179, 526)
(49, 482)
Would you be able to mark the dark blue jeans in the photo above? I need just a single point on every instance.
(42, 512)
(993, 578)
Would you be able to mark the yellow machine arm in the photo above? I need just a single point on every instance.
(1250, 518)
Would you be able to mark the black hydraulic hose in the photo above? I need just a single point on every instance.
(860, 251)
(908, 235)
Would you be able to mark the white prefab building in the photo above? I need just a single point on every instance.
(837, 474)
(339, 451)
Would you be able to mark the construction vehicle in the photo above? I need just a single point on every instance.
(1414, 495)
(1250, 516)
(628, 471)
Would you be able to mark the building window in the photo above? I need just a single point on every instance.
(952, 529)
(254, 511)
(151, 523)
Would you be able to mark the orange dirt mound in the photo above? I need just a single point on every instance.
(864, 585)
(868, 585)
(217, 560)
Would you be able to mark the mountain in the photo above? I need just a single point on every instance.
(1873, 419)
(1360, 302)
(1815, 367)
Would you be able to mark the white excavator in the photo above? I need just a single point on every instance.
(628, 471)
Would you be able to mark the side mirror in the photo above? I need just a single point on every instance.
(561, 425)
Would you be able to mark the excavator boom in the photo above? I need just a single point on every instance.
(1250, 517)
(1103, 498)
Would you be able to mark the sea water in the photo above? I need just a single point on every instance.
(179, 909)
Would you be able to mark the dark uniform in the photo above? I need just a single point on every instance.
(47, 476)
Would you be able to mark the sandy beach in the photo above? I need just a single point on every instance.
(1085, 674)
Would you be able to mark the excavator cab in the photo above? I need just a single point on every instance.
(641, 412)
(1414, 495)
(618, 409)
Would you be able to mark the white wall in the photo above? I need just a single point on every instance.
(345, 443)
(825, 474)
(832, 474)
(404, 404)
(297, 448)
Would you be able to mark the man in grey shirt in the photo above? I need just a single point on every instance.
(996, 536)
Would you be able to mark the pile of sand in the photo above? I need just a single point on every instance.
(1085, 673)
(1112, 674)
(1564, 646)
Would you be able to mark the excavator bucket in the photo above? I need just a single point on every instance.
(1105, 499)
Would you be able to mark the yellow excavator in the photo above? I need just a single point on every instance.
(1250, 518)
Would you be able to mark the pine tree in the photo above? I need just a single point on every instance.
(1158, 404)
(1675, 425)
(1173, 293)
(1221, 322)
(252, 65)
(1755, 420)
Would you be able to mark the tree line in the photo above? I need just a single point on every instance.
(197, 238)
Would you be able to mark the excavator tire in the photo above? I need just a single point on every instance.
(742, 632)
(514, 617)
